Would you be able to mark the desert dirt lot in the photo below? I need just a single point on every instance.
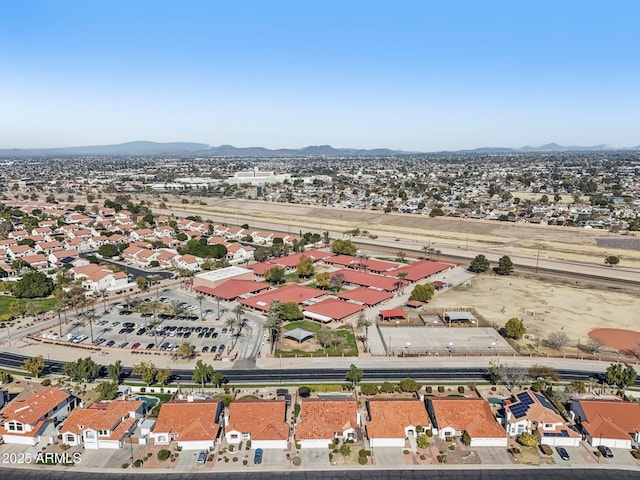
(544, 307)
(566, 243)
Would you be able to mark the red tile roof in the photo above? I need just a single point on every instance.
(389, 418)
(263, 419)
(36, 407)
(191, 421)
(380, 282)
(322, 418)
(334, 308)
(611, 419)
(288, 293)
(471, 414)
(392, 313)
(421, 269)
(367, 296)
(233, 288)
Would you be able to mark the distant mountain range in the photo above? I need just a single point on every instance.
(186, 148)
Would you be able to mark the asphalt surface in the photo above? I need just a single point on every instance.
(359, 474)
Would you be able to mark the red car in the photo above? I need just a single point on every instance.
(135, 346)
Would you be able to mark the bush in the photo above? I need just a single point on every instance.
(461, 389)
(452, 447)
(296, 410)
(125, 465)
(362, 460)
(163, 454)
(248, 444)
(406, 452)
(423, 441)
(442, 459)
(244, 462)
(369, 389)
(46, 382)
(304, 392)
(138, 463)
(440, 389)
(330, 457)
(528, 439)
(635, 454)
(429, 389)
(231, 447)
(429, 433)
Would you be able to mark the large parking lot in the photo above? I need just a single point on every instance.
(163, 323)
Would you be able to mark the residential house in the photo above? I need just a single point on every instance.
(96, 278)
(187, 262)
(30, 421)
(532, 412)
(615, 424)
(392, 421)
(322, 421)
(263, 422)
(452, 417)
(102, 425)
(194, 425)
(37, 261)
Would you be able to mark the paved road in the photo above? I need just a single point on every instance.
(478, 473)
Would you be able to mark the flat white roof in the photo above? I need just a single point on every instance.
(221, 274)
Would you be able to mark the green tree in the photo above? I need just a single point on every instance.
(621, 375)
(323, 280)
(354, 374)
(186, 350)
(218, 379)
(33, 285)
(163, 375)
(479, 264)
(18, 308)
(290, 311)
(5, 377)
(364, 322)
(202, 373)
(388, 387)
(409, 385)
(142, 283)
(147, 371)
(514, 328)
(305, 267)
(612, 260)
(369, 389)
(422, 293)
(107, 390)
(82, 369)
(274, 275)
(344, 247)
(505, 265)
(34, 365)
(108, 250)
(114, 371)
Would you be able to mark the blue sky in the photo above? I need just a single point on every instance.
(409, 75)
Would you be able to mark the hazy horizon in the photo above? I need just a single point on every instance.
(414, 76)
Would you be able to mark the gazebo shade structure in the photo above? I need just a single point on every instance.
(299, 334)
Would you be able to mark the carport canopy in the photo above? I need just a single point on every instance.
(459, 316)
(299, 334)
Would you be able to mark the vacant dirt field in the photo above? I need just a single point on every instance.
(544, 307)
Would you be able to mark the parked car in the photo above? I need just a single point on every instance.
(202, 457)
(564, 455)
(605, 451)
(110, 343)
(257, 458)
(135, 346)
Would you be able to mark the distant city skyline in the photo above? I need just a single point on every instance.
(415, 76)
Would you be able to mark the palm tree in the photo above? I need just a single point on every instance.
(366, 323)
(217, 299)
(402, 276)
(230, 322)
(199, 298)
(272, 323)
(103, 294)
(239, 310)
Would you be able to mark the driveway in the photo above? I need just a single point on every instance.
(314, 457)
(388, 456)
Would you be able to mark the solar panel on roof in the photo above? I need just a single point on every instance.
(545, 403)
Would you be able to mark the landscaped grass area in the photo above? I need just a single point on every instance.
(42, 305)
(346, 348)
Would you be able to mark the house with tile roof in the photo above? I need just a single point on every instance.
(263, 422)
(452, 417)
(96, 278)
(392, 421)
(532, 412)
(194, 425)
(612, 423)
(322, 421)
(104, 425)
(32, 421)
